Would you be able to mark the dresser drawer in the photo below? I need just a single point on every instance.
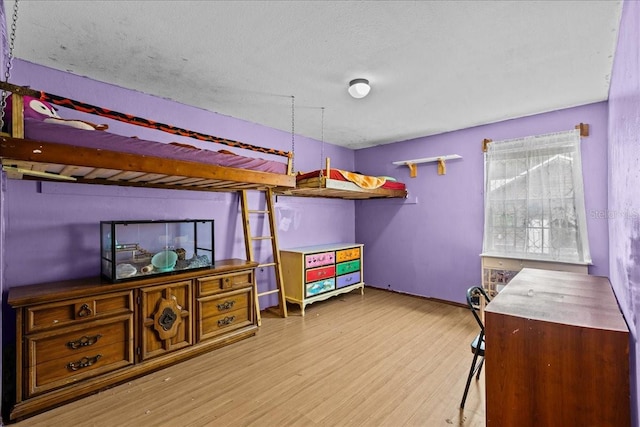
(319, 287)
(214, 284)
(502, 263)
(56, 315)
(318, 260)
(347, 254)
(316, 274)
(348, 279)
(347, 267)
(78, 353)
(220, 315)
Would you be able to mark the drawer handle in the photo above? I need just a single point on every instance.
(227, 305)
(85, 341)
(85, 362)
(226, 321)
(84, 311)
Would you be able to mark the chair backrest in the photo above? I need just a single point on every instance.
(477, 291)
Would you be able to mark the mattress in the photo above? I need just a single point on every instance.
(51, 132)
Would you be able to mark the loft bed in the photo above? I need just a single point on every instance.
(340, 184)
(46, 151)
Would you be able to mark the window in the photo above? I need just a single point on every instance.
(534, 199)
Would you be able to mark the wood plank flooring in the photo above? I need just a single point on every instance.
(378, 359)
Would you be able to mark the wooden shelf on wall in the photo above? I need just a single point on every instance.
(441, 160)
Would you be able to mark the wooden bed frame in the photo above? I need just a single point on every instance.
(322, 186)
(41, 160)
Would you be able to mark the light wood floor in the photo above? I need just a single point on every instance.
(381, 359)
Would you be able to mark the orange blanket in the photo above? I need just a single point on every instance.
(363, 181)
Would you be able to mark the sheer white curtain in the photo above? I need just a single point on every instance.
(534, 199)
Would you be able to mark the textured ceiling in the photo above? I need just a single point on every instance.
(434, 66)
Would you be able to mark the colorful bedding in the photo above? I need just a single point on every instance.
(363, 181)
(49, 132)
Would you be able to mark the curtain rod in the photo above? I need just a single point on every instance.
(582, 127)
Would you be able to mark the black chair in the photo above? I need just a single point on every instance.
(474, 296)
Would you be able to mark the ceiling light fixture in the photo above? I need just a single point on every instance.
(359, 88)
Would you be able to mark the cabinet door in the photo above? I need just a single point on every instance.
(166, 315)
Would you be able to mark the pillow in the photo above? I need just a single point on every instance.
(45, 112)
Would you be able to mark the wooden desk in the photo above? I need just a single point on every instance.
(557, 353)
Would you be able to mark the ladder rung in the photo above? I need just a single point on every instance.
(273, 291)
(269, 264)
(267, 213)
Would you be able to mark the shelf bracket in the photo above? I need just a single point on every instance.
(413, 170)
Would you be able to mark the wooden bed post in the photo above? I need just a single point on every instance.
(327, 175)
(290, 163)
(17, 119)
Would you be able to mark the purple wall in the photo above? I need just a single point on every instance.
(624, 181)
(52, 228)
(429, 244)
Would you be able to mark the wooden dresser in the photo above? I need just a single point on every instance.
(498, 271)
(315, 273)
(557, 353)
(76, 337)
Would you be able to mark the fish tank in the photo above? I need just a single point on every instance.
(139, 249)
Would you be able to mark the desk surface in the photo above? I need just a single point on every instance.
(557, 353)
(560, 297)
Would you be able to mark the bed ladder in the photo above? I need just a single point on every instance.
(249, 240)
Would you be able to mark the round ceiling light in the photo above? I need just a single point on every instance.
(359, 88)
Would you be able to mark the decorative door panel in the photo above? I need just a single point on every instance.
(166, 314)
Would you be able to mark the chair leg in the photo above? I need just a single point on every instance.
(471, 372)
(479, 369)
